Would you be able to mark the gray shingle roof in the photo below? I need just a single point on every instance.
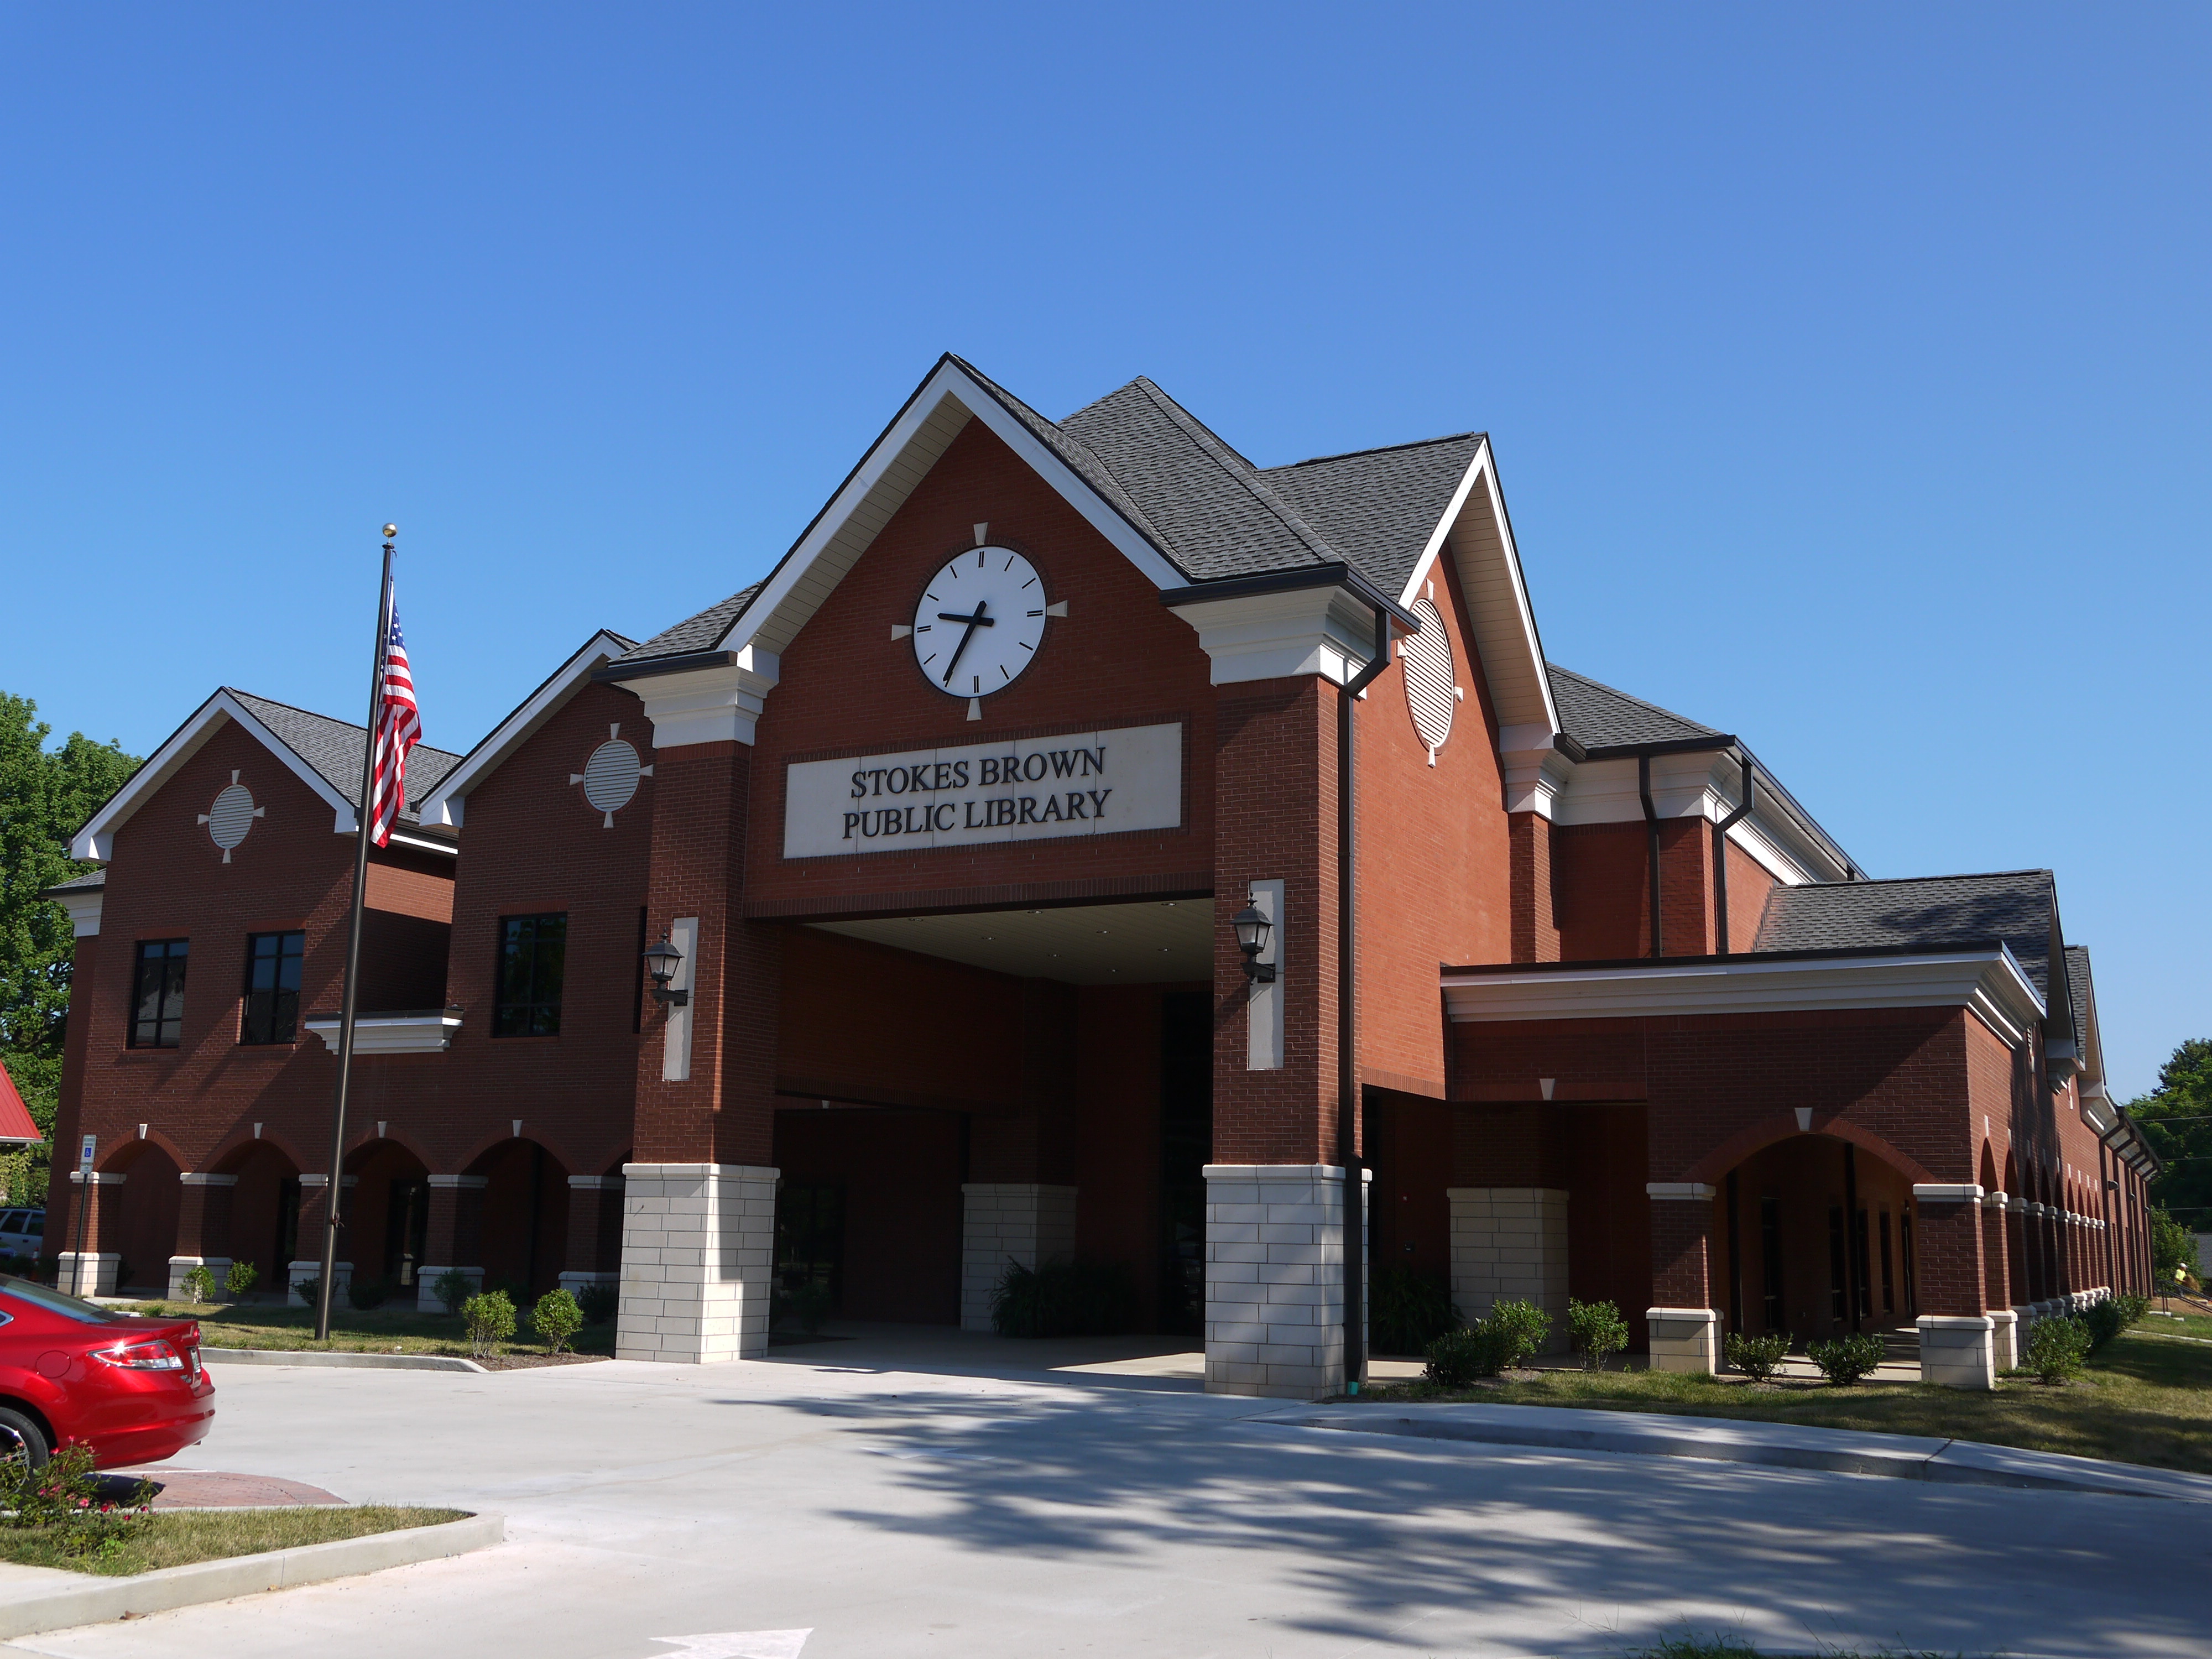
(2078, 984)
(334, 750)
(2019, 907)
(696, 632)
(91, 882)
(1597, 716)
(1380, 507)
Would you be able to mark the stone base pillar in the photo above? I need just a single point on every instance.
(91, 1274)
(1002, 1221)
(1958, 1349)
(1685, 1339)
(217, 1266)
(2004, 1339)
(427, 1276)
(1274, 1280)
(452, 1233)
(1509, 1244)
(300, 1271)
(698, 1247)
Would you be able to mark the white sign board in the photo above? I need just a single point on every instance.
(1091, 783)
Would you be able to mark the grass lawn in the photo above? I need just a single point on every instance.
(176, 1538)
(2178, 1324)
(354, 1330)
(2140, 1401)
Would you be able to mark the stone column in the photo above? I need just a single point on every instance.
(698, 1244)
(452, 1236)
(92, 1271)
(1274, 1280)
(1685, 1325)
(1006, 1221)
(307, 1246)
(1510, 1242)
(595, 1232)
(202, 1230)
(1958, 1338)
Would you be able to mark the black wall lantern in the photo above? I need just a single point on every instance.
(661, 961)
(1252, 933)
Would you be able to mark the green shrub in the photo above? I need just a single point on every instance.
(1525, 1327)
(1758, 1357)
(310, 1289)
(199, 1283)
(598, 1303)
(2056, 1347)
(453, 1288)
(1407, 1309)
(2108, 1318)
(1845, 1360)
(1061, 1297)
(367, 1293)
(240, 1280)
(490, 1318)
(1598, 1330)
(556, 1319)
(65, 1497)
(1461, 1357)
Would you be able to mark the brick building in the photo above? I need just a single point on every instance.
(948, 825)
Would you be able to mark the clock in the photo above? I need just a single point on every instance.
(980, 622)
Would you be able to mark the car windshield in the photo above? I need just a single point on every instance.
(60, 1301)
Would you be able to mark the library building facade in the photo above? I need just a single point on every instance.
(1086, 845)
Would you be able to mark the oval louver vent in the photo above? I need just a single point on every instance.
(611, 777)
(230, 818)
(1431, 697)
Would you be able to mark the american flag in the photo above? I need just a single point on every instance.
(398, 729)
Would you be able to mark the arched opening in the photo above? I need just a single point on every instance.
(524, 1235)
(2023, 1261)
(387, 1217)
(264, 1212)
(146, 1218)
(1817, 1240)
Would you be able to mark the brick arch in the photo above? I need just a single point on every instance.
(1989, 1176)
(362, 1151)
(486, 1149)
(1782, 1126)
(235, 1151)
(130, 1152)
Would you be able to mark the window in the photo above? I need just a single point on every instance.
(530, 953)
(272, 987)
(1888, 1275)
(1770, 1261)
(157, 995)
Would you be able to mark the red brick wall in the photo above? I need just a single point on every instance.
(1604, 896)
(1535, 883)
(1748, 887)
(901, 1173)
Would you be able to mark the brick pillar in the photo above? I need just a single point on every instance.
(203, 1229)
(92, 1271)
(1004, 1221)
(1535, 928)
(595, 1232)
(1998, 1275)
(307, 1246)
(1509, 1244)
(452, 1236)
(1958, 1338)
(1685, 1325)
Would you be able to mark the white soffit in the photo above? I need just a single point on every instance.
(1480, 537)
(96, 841)
(445, 806)
(1991, 983)
(937, 413)
(1158, 941)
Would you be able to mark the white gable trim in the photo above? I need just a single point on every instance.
(1480, 537)
(898, 461)
(96, 841)
(445, 806)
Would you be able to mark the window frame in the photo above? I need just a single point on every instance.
(539, 1015)
(298, 959)
(173, 951)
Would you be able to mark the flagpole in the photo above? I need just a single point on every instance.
(334, 1193)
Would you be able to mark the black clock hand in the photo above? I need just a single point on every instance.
(979, 620)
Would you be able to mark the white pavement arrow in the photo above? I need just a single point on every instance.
(740, 1645)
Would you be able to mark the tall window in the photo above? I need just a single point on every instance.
(530, 953)
(272, 987)
(157, 995)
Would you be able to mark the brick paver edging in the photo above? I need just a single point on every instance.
(1776, 1445)
(26, 1609)
(390, 1362)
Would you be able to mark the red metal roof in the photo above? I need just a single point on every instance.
(16, 1123)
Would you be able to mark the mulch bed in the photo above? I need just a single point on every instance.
(524, 1362)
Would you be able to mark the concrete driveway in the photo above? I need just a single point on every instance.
(928, 1494)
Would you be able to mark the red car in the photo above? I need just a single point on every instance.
(132, 1388)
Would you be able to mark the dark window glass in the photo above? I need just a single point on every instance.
(1888, 1273)
(272, 987)
(809, 1243)
(157, 996)
(1904, 1261)
(1839, 1309)
(531, 949)
(1770, 1261)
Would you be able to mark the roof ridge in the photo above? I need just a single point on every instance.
(1243, 472)
(1128, 504)
(1963, 875)
(1378, 449)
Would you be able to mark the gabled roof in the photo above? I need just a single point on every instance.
(324, 754)
(2080, 994)
(16, 1126)
(1597, 716)
(1380, 507)
(441, 804)
(2018, 908)
(91, 882)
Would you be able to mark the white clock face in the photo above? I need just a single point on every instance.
(980, 622)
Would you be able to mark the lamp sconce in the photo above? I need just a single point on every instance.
(1252, 933)
(661, 961)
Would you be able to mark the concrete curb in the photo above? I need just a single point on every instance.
(1774, 1445)
(390, 1361)
(98, 1600)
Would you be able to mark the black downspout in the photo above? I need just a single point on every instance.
(1720, 861)
(1651, 839)
(1347, 1011)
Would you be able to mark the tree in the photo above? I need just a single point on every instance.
(45, 795)
(2172, 1246)
(2177, 1120)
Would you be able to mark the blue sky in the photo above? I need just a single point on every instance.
(1847, 367)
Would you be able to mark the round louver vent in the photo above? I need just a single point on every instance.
(1431, 697)
(231, 816)
(611, 777)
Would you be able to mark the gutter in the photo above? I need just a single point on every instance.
(1296, 580)
(616, 672)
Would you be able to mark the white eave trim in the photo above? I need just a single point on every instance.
(1991, 983)
(96, 841)
(393, 1034)
(445, 805)
(84, 907)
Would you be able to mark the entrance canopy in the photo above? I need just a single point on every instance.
(1153, 942)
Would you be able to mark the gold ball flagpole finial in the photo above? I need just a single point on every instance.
(389, 531)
